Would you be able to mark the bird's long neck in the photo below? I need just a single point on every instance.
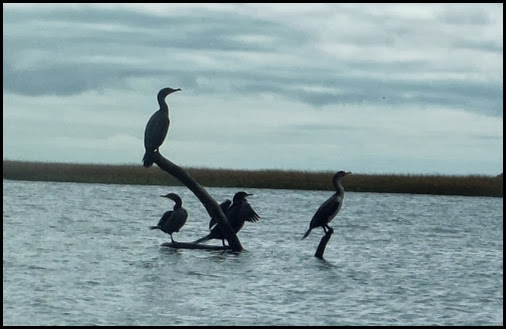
(339, 188)
(179, 203)
(162, 103)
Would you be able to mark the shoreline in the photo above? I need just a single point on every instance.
(469, 185)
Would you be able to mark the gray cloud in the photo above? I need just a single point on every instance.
(92, 48)
(310, 66)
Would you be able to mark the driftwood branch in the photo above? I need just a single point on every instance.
(323, 243)
(209, 203)
(187, 245)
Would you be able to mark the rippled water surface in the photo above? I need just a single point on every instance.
(82, 254)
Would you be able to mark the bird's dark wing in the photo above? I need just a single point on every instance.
(326, 212)
(156, 130)
(164, 218)
(224, 207)
(247, 213)
(176, 220)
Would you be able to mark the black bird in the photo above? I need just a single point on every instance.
(224, 207)
(173, 220)
(329, 209)
(157, 127)
(212, 223)
(237, 214)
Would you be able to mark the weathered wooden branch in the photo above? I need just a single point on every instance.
(209, 203)
(186, 245)
(323, 243)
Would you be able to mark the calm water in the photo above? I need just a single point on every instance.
(82, 254)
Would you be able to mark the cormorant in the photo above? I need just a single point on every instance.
(212, 223)
(173, 220)
(329, 209)
(239, 212)
(157, 127)
(224, 207)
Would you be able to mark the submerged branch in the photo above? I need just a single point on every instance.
(323, 243)
(190, 245)
(209, 203)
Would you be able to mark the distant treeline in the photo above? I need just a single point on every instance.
(470, 185)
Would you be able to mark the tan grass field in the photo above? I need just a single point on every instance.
(470, 185)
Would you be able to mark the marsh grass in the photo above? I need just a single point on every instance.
(470, 185)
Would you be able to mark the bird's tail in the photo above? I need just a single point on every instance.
(306, 234)
(155, 227)
(147, 159)
(204, 239)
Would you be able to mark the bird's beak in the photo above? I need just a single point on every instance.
(177, 89)
(348, 173)
(163, 196)
(249, 194)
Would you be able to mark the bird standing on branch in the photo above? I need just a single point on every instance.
(173, 220)
(237, 214)
(329, 209)
(157, 127)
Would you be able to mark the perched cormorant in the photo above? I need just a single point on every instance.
(172, 220)
(329, 209)
(212, 223)
(237, 213)
(224, 207)
(157, 127)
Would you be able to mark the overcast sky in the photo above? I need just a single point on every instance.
(367, 88)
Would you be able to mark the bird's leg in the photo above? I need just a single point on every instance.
(325, 228)
(330, 229)
(171, 238)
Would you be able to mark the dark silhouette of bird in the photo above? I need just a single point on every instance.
(157, 127)
(172, 220)
(237, 214)
(329, 209)
(212, 223)
(224, 207)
